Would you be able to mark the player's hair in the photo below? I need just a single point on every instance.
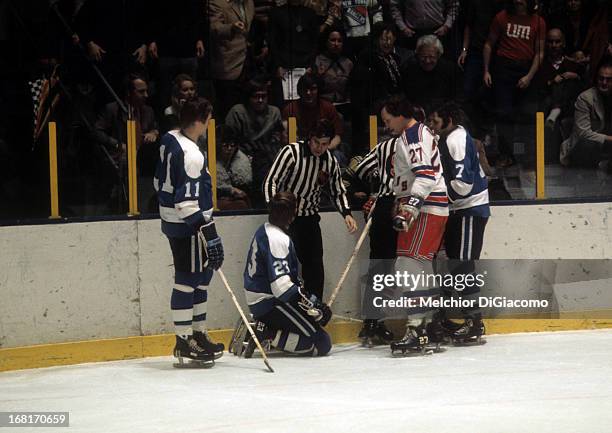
(194, 109)
(429, 41)
(306, 82)
(399, 106)
(451, 110)
(282, 209)
(178, 80)
(323, 128)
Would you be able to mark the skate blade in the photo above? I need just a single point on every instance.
(193, 364)
(436, 348)
(411, 353)
(479, 342)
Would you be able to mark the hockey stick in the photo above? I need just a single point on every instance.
(246, 322)
(348, 319)
(366, 229)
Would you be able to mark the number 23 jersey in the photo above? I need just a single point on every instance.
(271, 271)
(417, 170)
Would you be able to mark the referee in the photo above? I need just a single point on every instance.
(378, 164)
(305, 168)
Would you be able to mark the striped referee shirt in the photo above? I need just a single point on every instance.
(297, 170)
(379, 163)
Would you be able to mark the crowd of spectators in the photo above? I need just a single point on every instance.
(261, 62)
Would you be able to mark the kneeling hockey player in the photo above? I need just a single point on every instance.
(287, 317)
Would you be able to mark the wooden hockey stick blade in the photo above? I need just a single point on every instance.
(246, 321)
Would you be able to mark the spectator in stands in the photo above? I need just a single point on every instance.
(114, 34)
(356, 16)
(230, 22)
(590, 144)
(178, 30)
(517, 33)
(293, 36)
(183, 88)
(574, 22)
(258, 57)
(558, 80)
(416, 18)
(479, 14)
(429, 78)
(333, 68)
(259, 127)
(111, 132)
(376, 76)
(234, 174)
(310, 109)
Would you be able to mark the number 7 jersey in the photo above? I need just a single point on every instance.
(417, 170)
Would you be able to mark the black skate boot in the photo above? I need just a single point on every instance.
(374, 333)
(382, 334)
(190, 349)
(206, 343)
(264, 335)
(367, 332)
(414, 342)
(440, 330)
(470, 333)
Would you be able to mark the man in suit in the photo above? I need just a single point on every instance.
(230, 21)
(591, 141)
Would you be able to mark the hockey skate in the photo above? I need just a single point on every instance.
(197, 357)
(264, 335)
(470, 333)
(374, 333)
(207, 344)
(415, 342)
(441, 331)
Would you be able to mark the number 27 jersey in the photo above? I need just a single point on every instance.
(417, 170)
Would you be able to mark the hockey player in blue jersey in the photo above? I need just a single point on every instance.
(184, 191)
(469, 211)
(287, 317)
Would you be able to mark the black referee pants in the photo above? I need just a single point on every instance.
(383, 252)
(305, 233)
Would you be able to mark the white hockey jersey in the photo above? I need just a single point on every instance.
(417, 169)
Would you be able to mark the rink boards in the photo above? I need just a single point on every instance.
(97, 291)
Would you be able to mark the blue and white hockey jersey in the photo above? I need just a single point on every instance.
(466, 181)
(183, 186)
(271, 271)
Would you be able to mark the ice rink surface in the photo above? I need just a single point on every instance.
(546, 382)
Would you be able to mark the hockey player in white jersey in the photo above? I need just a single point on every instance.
(421, 211)
(287, 317)
(469, 212)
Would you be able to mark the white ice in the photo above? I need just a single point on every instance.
(546, 382)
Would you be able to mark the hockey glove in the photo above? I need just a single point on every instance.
(314, 307)
(406, 213)
(367, 207)
(214, 247)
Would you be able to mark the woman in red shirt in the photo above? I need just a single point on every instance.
(517, 33)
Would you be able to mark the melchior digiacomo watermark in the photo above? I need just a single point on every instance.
(459, 282)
